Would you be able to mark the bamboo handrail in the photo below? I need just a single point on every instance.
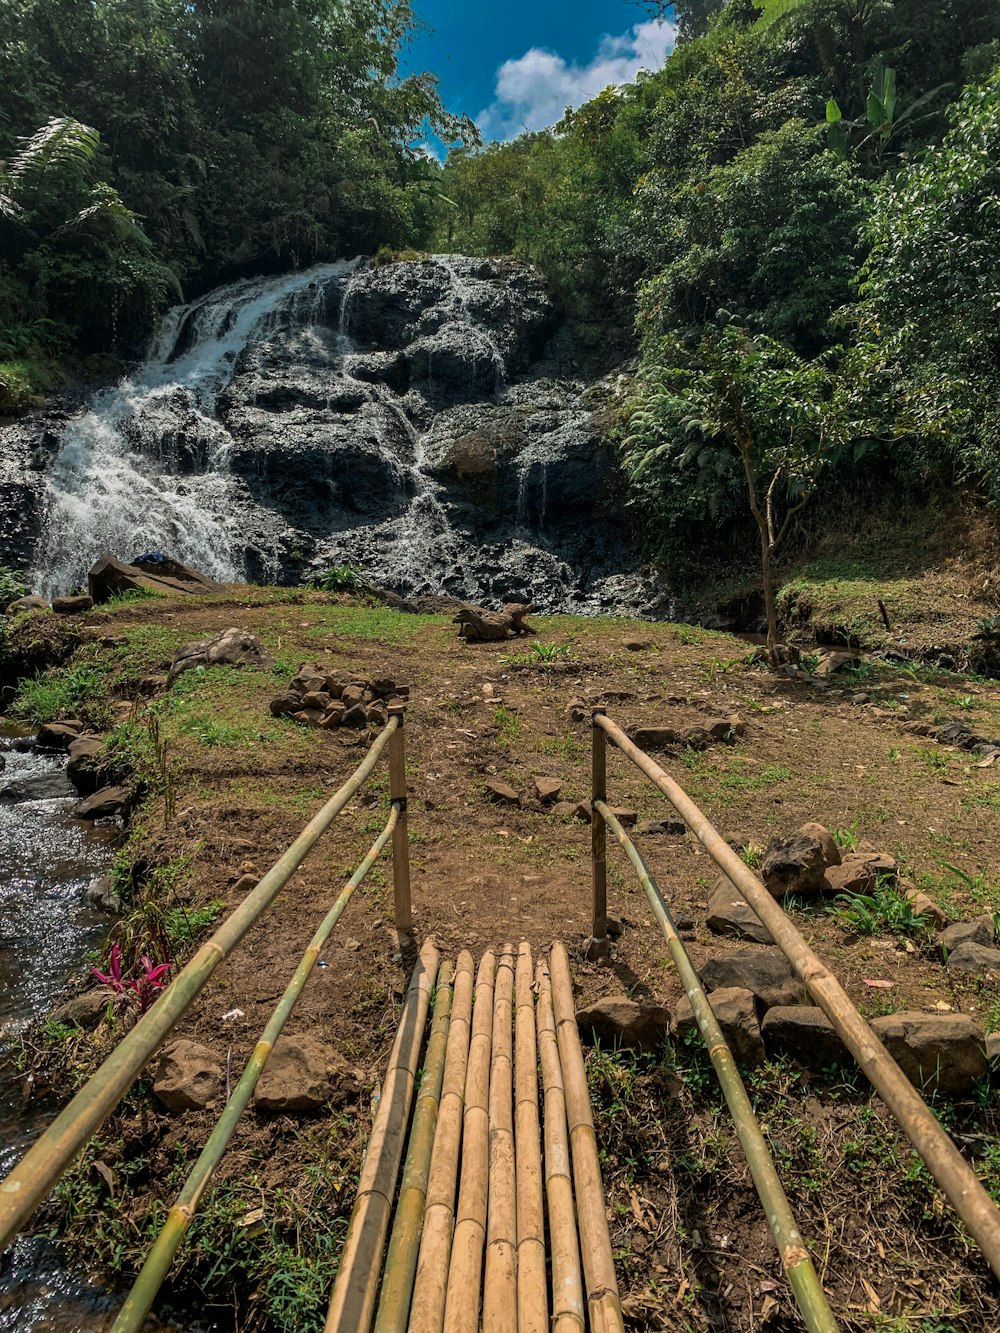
(792, 1250)
(140, 1299)
(33, 1177)
(431, 1284)
(595, 1239)
(956, 1178)
(352, 1301)
(401, 1258)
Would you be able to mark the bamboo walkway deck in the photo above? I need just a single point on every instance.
(481, 1237)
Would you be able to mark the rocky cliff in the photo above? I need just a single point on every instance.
(426, 420)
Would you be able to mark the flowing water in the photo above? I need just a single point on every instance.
(116, 485)
(267, 422)
(48, 860)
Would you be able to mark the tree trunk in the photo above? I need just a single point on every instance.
(770, 610)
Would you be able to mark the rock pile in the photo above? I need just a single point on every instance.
(317, 697)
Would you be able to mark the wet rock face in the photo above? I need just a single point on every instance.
(426, 420)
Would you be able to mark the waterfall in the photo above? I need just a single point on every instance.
(119, 483)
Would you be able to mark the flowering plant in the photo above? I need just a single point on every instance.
(140, 991)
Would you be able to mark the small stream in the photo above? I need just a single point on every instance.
(48, 860)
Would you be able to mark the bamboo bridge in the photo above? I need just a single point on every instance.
(480, 1202)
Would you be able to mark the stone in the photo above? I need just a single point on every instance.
(696, 737)
(655, 738)
(766, 972)
(831, 661)
(334, 716)
(352, 694)
(72, 606)
(58, 735)
(384, 687)
(547, 789)
(42, 787)
(103, 804)
(29, 603)
(308, 717)
(736, 1011)
(674, 827)
(976, 959)
(188, 1076)
(584, 810)
(86, 764)
(377, 714)
(302, 1074)
(318, 699)
(231, 647)
(310, 678)
(729, 914)
(355, 716)
(284, 705)
(921, 902)
(981, 931)
(636, 645)
(101, 895)
(993, 1047)
(502, 793)
(940, 1052)
(804, 1033)
(797, 864)
(617, 1020)
(83, 1011)
(563, 809)
(110, 578)
(721, 730)
(826, 840)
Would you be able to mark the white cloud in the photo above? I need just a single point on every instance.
(534, 90)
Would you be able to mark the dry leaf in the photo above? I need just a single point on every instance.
(874, 1303)
(879, 985)
(985, 763)
(107, 1175)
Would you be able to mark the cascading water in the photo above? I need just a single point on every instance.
(425, 420)
(119, 483)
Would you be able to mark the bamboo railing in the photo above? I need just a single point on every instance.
(45, 1162)
(957, 1180)
(795, 1261)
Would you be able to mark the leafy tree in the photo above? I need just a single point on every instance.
(745, 405)
(931, 284)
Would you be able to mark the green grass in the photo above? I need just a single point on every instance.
(54, 694)
(380, 623)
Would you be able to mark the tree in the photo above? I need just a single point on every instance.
(752, 400)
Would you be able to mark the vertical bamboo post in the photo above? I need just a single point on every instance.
(465, 1275)
(500, 1282)
(595, 1238)
(401, 1258)
(431, 1285)
(598, 839)
(532, 1297)
(400, 837)
(568, 1314)
(352, 1302)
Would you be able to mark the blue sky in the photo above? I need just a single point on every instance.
(516, 64)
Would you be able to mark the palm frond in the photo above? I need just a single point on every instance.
(63, 145)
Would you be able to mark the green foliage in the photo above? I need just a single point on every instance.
(885, 908)
(11, 586)
(54, 694)
(339, 578)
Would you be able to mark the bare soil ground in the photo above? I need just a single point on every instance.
(692, 1244)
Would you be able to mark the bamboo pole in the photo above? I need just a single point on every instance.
(353, 1299)
(431, 1285)
(400, 842)
(401, 1259)
(532, 1296)
(792, 1251)
(500, 1282)
(40, 1168)
(161, 1256)
(956, 1178)
(598, 842)
(568, 1311)
(595, 1239)
(461, 1313)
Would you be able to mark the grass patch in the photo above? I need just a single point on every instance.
(60, 693)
